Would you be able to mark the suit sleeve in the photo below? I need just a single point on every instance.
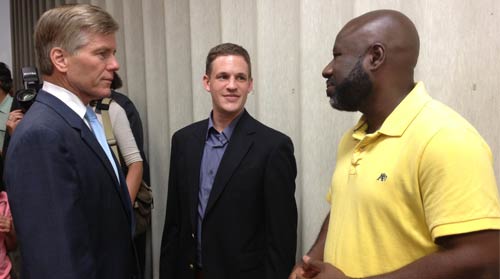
(170, 239)
(281, 210)
(45, 196)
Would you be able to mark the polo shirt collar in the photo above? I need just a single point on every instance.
(400, 118)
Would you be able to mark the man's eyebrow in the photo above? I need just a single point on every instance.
(105, 48)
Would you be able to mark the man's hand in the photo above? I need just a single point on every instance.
(303, 270)
(321, 270)
(15, 117)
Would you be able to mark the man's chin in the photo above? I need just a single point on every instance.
(339, 106)
(105, 93)
(101, 94)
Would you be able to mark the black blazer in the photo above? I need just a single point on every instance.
(72, 217)
(250, 224)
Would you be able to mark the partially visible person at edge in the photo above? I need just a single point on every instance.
(8, 240)
(127, 128)
(231, 209)
(10, 112)
(5, 105)
(5, 99)
(413, 194)
(68, 197)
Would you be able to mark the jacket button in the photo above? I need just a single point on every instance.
(191, 266)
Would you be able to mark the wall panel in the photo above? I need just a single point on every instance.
(163, 45)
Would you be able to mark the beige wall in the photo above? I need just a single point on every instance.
(5, 42)
(162, 48)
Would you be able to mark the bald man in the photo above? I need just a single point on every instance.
(413, 194)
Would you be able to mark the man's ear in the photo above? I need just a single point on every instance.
(59, 59)
(206, 83)
(376, 53)
(250, 88)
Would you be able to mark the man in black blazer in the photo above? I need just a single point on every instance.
(231, 211)
(69, 199)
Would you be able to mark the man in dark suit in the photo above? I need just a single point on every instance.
(231, 211)
(69, 199)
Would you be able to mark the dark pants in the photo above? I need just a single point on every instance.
(140, 247)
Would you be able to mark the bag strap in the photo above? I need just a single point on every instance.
(103, 106)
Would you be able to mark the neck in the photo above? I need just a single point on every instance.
(382, 105)
(221, 121)
(61, 81)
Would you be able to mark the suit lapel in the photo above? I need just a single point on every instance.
(120, 186)
(77, 123)
(88, 137)
(239, 145)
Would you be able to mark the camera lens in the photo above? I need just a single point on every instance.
(26, 97)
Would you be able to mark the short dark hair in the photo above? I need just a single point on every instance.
(226, 49)
(5, 78)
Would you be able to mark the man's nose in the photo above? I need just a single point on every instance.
(231, 83)
(113, 64)
(328, 70)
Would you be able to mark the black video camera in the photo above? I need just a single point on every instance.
(25, 97)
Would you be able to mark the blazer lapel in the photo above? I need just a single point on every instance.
(239, 145)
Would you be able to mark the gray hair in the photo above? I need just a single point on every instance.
(68, 27)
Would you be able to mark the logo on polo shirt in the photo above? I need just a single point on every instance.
(382, 177)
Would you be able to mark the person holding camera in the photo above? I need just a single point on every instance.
(67, 193)
(21, 102)
(5, 99)
(8, 240)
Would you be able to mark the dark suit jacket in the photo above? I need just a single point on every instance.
(250, 224)
(72, 217)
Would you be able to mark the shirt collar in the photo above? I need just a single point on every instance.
(401, 117)
(67, 97)
(228, 131)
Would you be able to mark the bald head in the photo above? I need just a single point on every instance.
(374, 57)
(391, 29)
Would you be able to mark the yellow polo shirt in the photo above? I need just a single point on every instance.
(425, 173)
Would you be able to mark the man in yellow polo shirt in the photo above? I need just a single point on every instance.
(413, 194)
